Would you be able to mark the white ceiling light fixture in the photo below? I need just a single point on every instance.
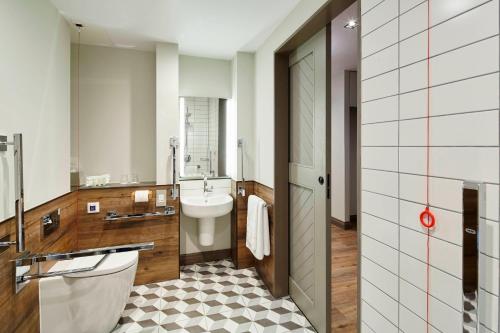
(351, 24)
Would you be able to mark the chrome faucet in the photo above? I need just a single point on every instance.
(206, 189)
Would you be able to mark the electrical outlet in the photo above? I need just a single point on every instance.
(93, 207)
(161, 198)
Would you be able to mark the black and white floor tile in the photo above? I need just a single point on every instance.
(210, 297)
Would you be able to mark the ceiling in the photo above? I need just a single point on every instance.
(345, 41)
(205, 28)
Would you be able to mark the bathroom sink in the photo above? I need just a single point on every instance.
(209, 206)
(206, 208)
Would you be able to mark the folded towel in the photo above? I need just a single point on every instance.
(258, 241)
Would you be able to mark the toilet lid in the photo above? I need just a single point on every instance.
(115, 262)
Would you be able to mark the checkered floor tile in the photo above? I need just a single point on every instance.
(210, 297)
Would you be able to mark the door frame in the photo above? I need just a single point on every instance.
(321, 19)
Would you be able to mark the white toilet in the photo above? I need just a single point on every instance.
(87, 302)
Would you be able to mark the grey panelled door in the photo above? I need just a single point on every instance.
(307, 177)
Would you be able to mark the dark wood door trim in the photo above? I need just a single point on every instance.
(321, 19)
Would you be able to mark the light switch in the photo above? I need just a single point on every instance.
(93, 207)
(161, 198)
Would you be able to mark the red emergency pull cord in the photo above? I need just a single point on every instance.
(427, 218)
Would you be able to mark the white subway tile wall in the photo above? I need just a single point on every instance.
(464, 145)
(202, 122)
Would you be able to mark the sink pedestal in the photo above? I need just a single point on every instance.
(206, 209)
(206, 230)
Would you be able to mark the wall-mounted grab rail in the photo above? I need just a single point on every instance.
(7, 243)
(19, 188)
(28, 260)
(24, 278)
(241, 189)
(24, 263)
(174, 144)
(114, 216)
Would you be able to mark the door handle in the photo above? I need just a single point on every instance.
(328, 186)
(321, 180)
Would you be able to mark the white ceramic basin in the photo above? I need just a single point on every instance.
(206, 208)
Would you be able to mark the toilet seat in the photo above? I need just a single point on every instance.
(113, 263)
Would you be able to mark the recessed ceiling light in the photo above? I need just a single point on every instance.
(351, 24)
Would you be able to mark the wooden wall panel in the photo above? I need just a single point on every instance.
(79, 230)
(272, 269)
(19, 313)
(242, 257)
(160, 264)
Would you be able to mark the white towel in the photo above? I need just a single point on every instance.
(258, 241)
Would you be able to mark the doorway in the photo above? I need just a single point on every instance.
(282, 196)
(344, 231)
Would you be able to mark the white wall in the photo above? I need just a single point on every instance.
(464, 142)
(167, 108)
(264, 88)
(344, 57)
(204, 77)
(244, 106)
(34, 100)
(117, 112)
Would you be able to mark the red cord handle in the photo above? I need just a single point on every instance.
(427, 218)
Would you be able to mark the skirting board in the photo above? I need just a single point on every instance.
(351, 224)
(195, 258)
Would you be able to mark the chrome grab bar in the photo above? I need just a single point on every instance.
(114, 216)
(173, 146)
(19, 188)
(7, 244)
(28, 260)
(24, 263)
(242, 189)
(24, 278)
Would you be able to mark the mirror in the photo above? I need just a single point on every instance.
(202, 137)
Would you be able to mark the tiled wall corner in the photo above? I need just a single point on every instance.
(464, 141)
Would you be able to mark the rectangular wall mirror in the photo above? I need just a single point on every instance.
(202, 137)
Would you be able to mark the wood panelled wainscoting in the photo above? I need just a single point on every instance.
(79, 230)
(270, 269)
(160, 264)
(19, 313)
(241, 255)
